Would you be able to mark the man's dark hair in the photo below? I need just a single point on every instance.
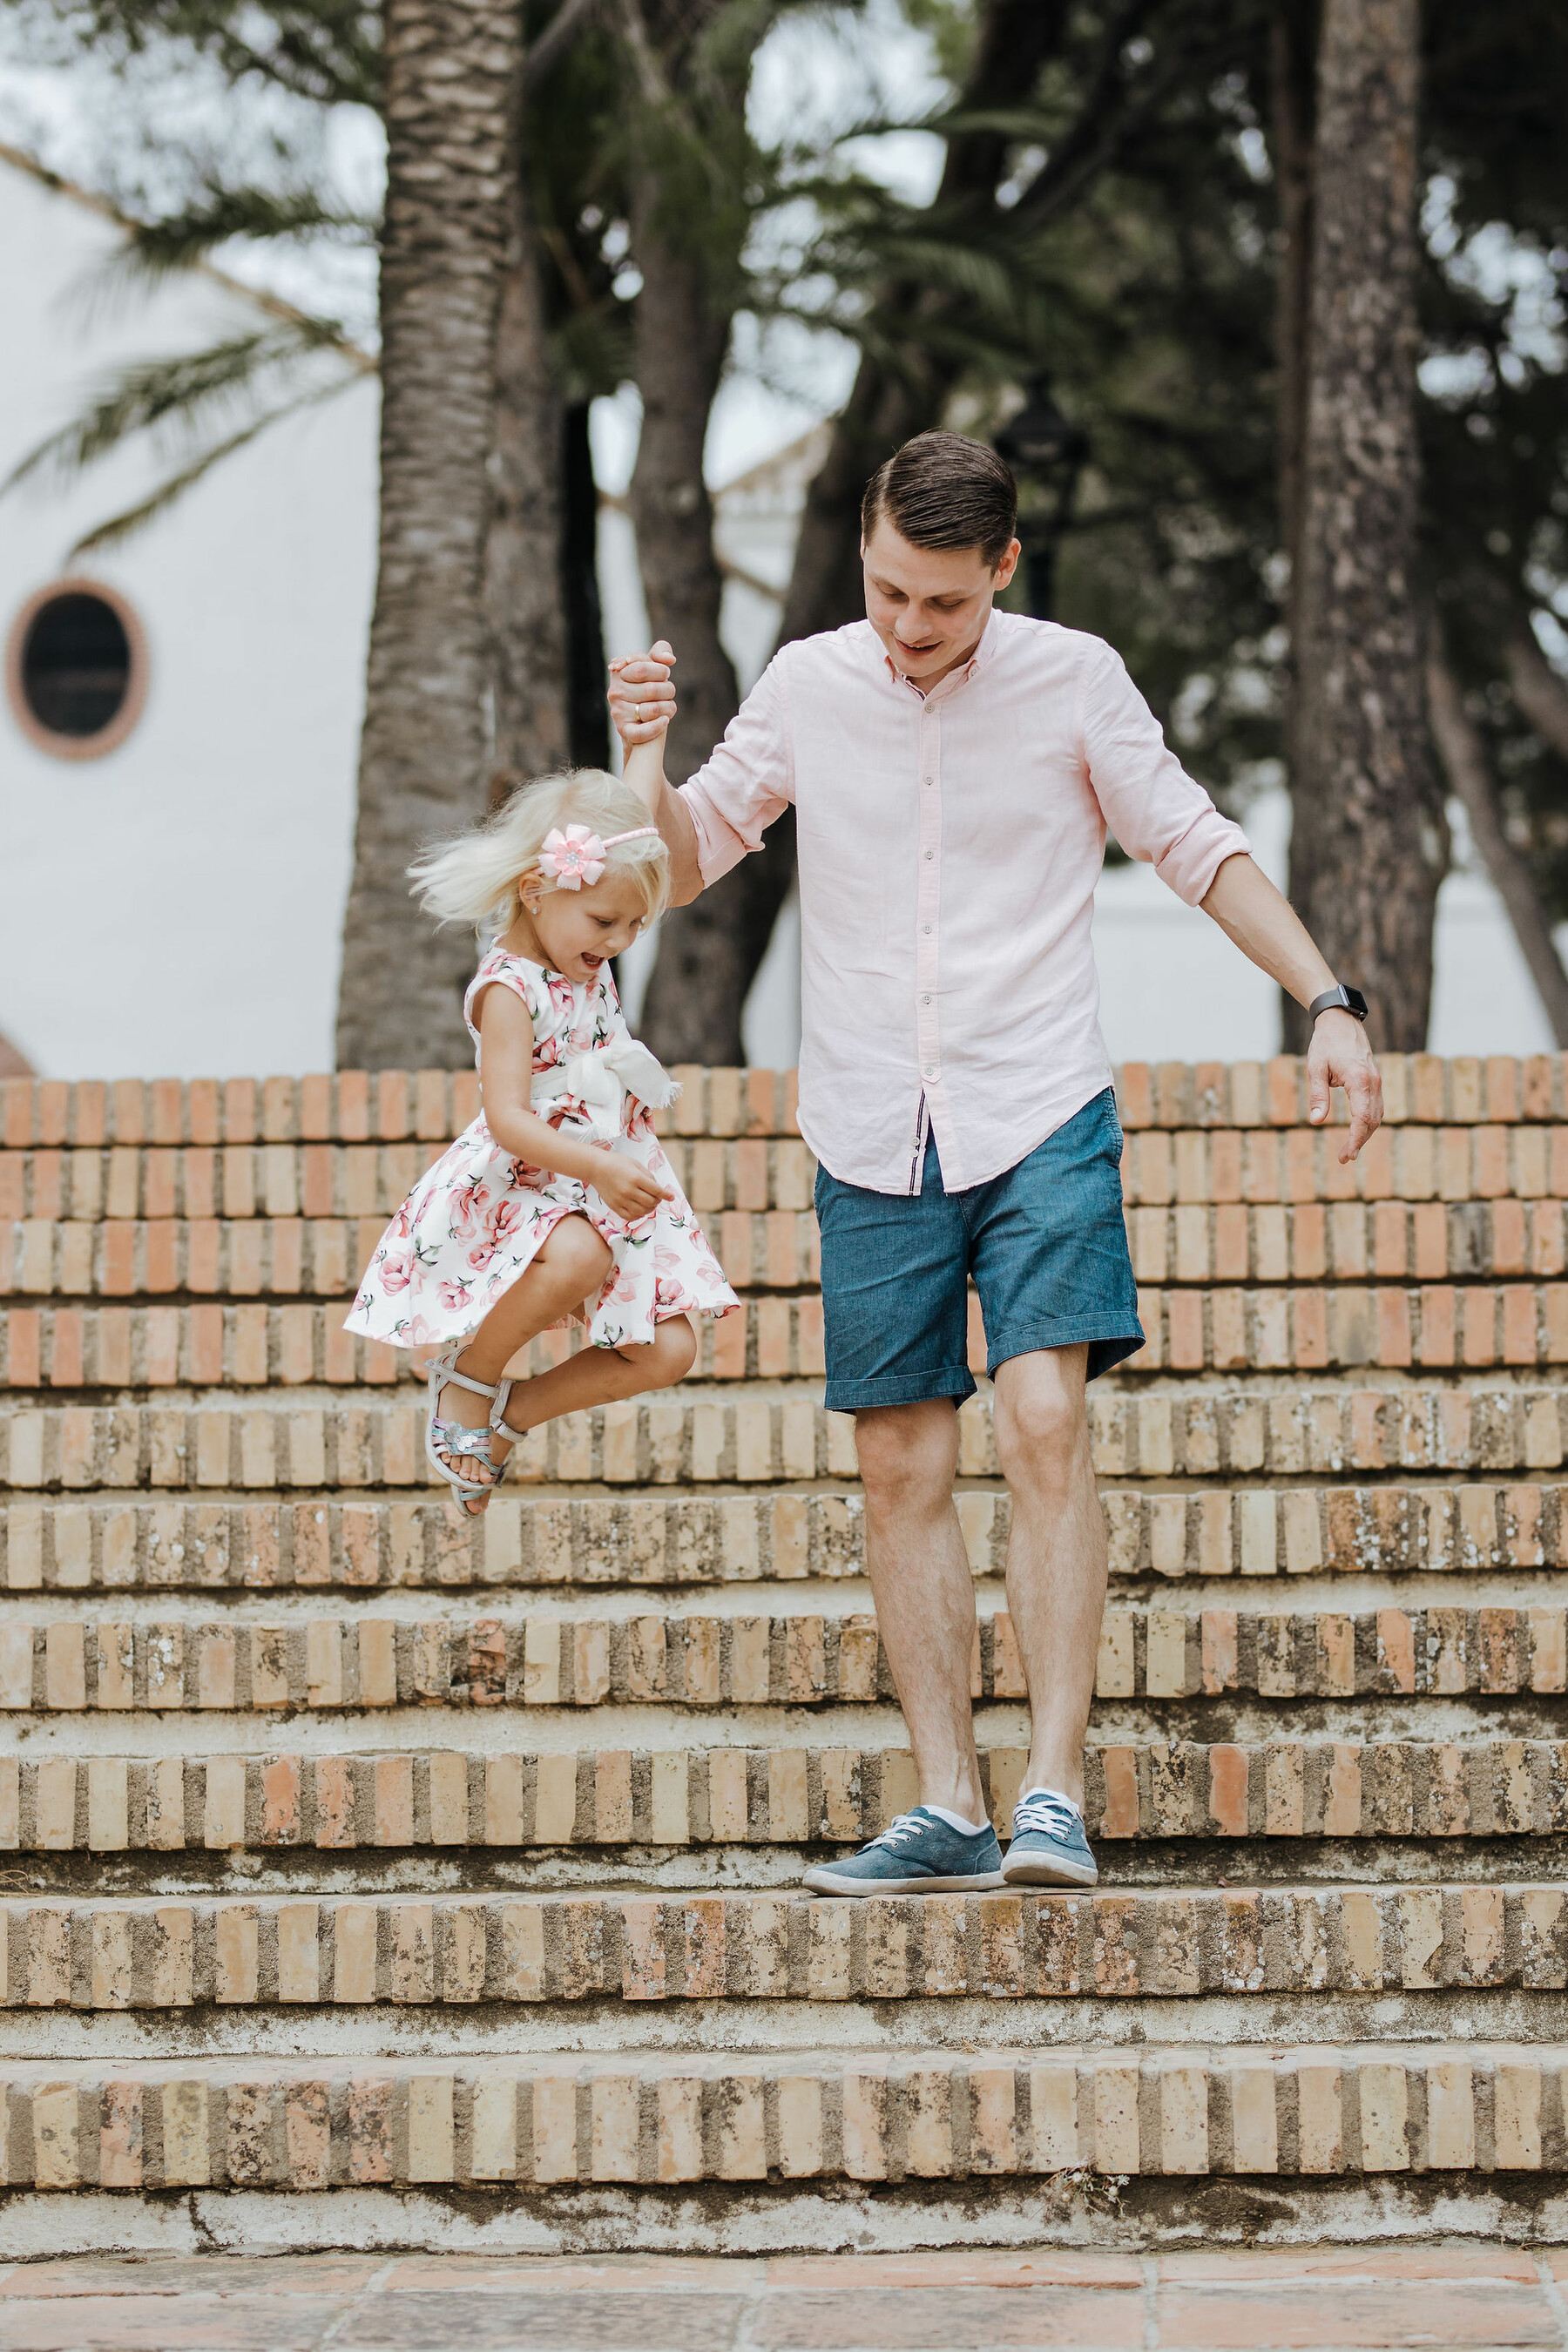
(943, 490)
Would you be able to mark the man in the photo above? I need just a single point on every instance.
(953, 770)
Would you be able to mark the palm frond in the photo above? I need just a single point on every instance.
(123, 526)
(180, 391)
(155, 249)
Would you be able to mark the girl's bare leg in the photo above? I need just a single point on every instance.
(599, 1375)
(572, 1265)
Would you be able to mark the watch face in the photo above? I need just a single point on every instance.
(1355, 1002)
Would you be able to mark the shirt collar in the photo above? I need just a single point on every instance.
(983, 652)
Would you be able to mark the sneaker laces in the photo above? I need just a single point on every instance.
(1053, 1816)
(906, 1825)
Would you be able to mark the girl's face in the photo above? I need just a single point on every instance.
(578, 932)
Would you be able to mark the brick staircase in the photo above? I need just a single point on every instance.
(451, 1869)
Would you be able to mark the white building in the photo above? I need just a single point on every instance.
(178, 743)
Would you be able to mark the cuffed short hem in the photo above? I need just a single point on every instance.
(954, 1380)
(1106, 1347)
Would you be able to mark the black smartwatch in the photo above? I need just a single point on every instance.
(1339, 999)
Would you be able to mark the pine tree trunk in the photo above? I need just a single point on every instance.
(435, 716)
(1293, 52)
(588, 720)
(525, 614)
(698, 985)
(1368, 845)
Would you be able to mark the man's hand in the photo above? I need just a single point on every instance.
(1340, 1056)
(641, 695)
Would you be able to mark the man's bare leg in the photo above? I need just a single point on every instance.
(1056, 1554)
(923, 1589)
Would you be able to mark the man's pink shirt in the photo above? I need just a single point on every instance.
(948, 848)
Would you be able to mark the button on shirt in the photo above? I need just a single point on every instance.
(949, 847)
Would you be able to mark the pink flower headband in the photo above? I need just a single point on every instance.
(571, 858)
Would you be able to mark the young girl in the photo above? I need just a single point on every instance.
(557, 1205)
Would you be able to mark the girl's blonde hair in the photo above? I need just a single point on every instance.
(473, 877)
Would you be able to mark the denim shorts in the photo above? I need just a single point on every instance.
(1044, 1244)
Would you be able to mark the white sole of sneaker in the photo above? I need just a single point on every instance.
(1048, 1873)
(828, 1882)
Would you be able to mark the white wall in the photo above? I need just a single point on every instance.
(176, 905)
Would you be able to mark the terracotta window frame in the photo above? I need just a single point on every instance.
(110, 737)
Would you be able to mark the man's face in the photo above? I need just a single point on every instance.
(928, 606)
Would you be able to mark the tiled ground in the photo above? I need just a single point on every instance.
(1327, 2300)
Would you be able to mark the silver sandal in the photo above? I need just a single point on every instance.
(458, 1436)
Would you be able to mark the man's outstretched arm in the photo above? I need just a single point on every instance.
(642, 704)
(1267, 928)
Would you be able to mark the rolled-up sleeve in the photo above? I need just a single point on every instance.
(1156, 811)
(749, 780)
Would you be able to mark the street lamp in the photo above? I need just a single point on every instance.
(1047, 453)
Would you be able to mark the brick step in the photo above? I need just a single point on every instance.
(733, 1795)
(637, 1540)
(775, 1248)
(431, 1106)
(1473, 1328)
(355, 1105)
(1188, 1166)
(63, 1665)
(778, 1433)
(301, 1346)
(1181, 2110)
(168, 1952)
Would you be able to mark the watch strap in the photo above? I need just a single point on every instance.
(1339, 999)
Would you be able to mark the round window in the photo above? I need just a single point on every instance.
(76, 669)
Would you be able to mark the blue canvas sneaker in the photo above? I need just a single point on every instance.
(920, 1853)
(1048, 1847)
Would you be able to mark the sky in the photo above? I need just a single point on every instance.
(136, 133)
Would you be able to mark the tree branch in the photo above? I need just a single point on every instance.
(1463, 755)
(1538, 691)
(571, 18)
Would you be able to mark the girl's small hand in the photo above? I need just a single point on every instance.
(627, 1190)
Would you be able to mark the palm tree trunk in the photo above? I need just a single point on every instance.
(432, 721)
(1463, 754)
(1368, 845)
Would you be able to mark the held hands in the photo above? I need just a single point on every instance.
(626, 1190)
(641, 695)
(1340, 1056)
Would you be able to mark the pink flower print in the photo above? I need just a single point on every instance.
(669, 1294)
(454, 1296)
(505, 1218)
(480, 1255)
(467, 1203)
(396, 1269)
(403, 1223)
(621, 1291)
(422, 1334)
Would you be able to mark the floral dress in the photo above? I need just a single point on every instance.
(474, 1221)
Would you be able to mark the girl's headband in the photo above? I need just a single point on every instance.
(577, 855)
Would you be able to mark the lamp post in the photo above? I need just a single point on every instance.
(1047, 453)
